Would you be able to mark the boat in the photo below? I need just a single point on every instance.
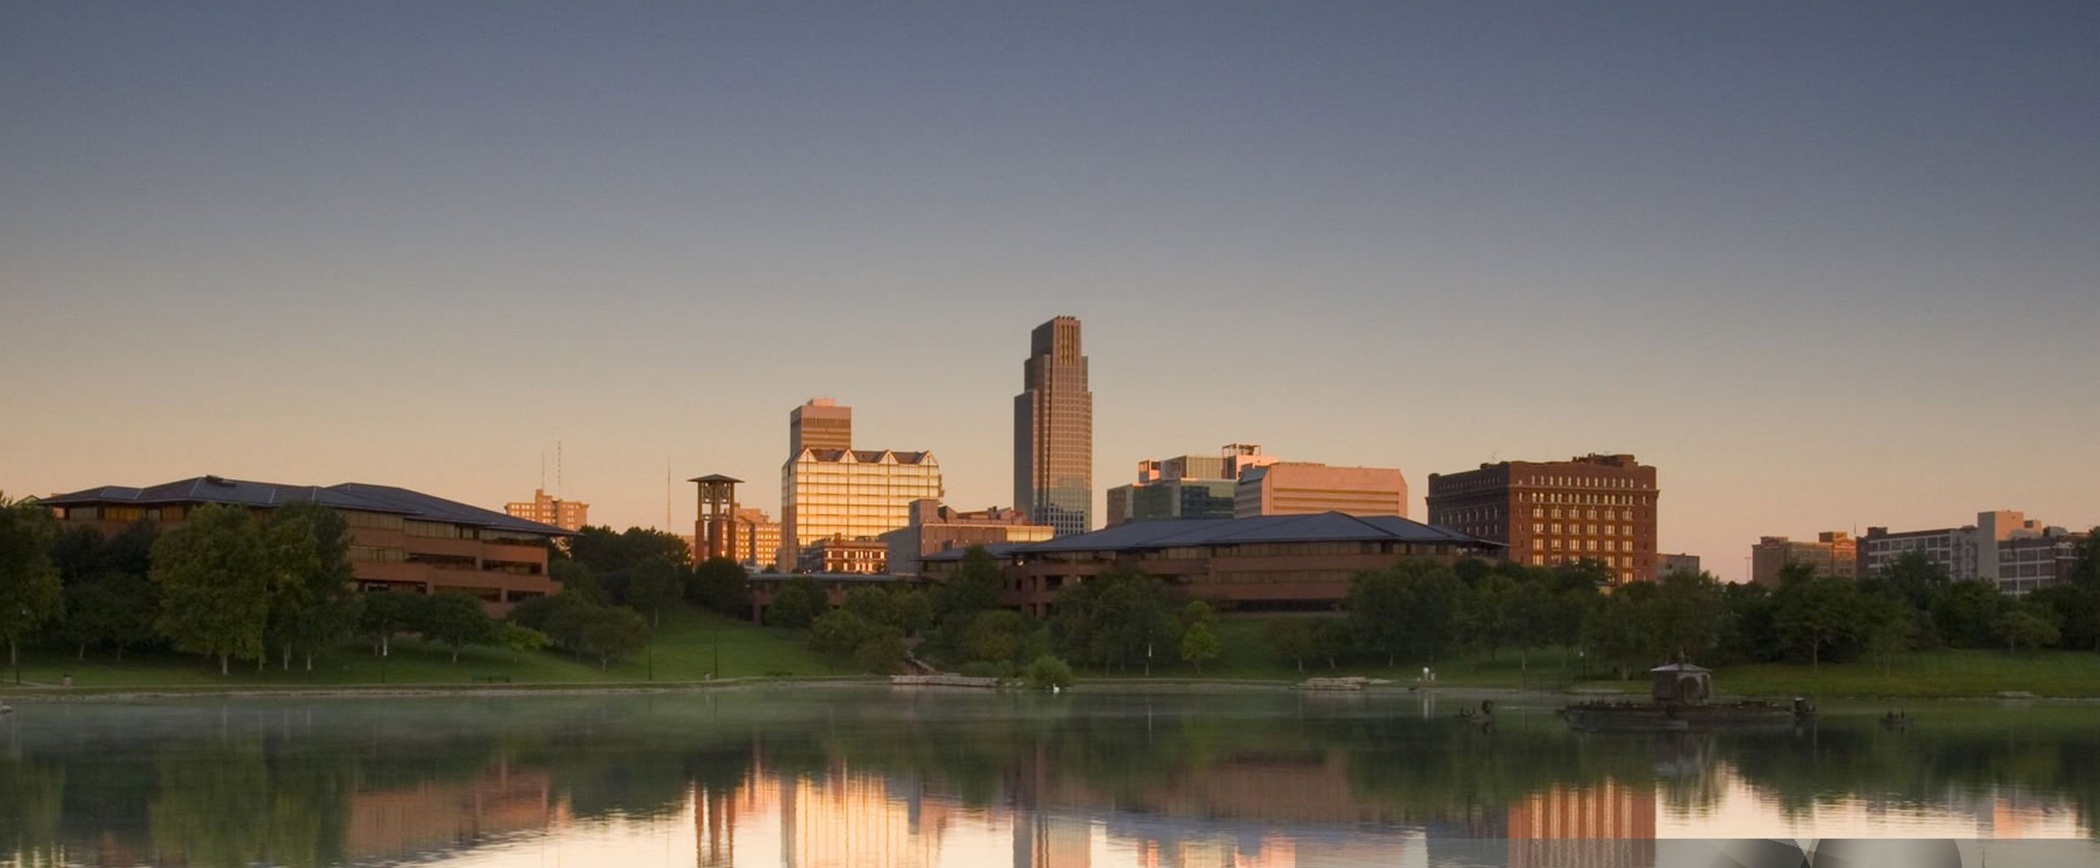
(1680, 700)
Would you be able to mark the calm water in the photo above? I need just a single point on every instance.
(874, 777)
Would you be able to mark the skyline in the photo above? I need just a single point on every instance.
(1823, 268)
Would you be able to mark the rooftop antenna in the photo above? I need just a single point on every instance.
(557, 470)
(543, 471)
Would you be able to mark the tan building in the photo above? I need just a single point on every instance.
(840, 493)
(400, 540)
(1832, 553)
(757, 537)
(2003, 547)
(1597, 508)
(1187, 486)
(1054, 431)
(1678, 563)
(1270, 563)
(1303, 488)
(850, 556)
(937, 528)
(547, 509)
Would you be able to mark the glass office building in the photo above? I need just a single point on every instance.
(1054, 431)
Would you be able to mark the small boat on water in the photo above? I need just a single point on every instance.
(1680, 700)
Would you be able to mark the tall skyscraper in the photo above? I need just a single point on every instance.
(1054, 431)
(820, 424)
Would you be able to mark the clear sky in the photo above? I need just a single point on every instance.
(1825, 265)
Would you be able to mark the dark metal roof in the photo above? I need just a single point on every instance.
(1173, 533)
(868, 456)
(716, 477)
(265, 495)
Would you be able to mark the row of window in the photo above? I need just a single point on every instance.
(1609, 529)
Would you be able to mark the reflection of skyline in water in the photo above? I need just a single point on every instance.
(867, 779)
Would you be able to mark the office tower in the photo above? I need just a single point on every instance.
(1054, 431)
(1597, 508)
(831, 491)
(1185, 486)
(1299, 487)
(547, 509)
(2003, 547)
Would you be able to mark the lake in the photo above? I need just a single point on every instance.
(873, 776)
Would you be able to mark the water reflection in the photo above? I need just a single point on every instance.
(820, 778)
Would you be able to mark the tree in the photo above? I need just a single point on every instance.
(1377, 605)
(1818, 618)
(30, 594)
(1292, 639)
(653, 585)
(993, 636)
(576, 577)
(612, 633)
(313, 595)
(1531, 620)
(1915, 577)
(2024, 627)
(214, 579)
(456, 620)
(1045, 672)
(1116, 619)
(385, 613)
(1490, 612)
(1619, 631)
(882, 653)
(1966, 613)
(874, 605)
(109, 597)
(720, 585)
(836, 633)
(517, 639)
(1199, 635)
(1691, 614)
(974, 587)
(798, 602)
(2085, 568)
(607, 552)
(1891, 628)
(2076, 609)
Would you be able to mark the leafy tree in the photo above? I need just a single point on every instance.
(1331, 641)
(2024, 627)
(561, 618)
(1821, 617)
(1414, 608)
(577, 578)
(1915, 577)
(874, 605)
(1966, 613)
(913, 610)
(1292, 639)
(652, 586)
(1377, 604)
(1490, 611)
(720, 585)
(456, 620)
(611, 633)
(214, 579)
(974, 587)
(607, 552)
(30, 593)
(798, 602)
(518, 639)
(1115, 619)
(1752, 634)
(1045, 672)
(1691, 614)
(837, 633)
(1199, 635)
(1619, 631)
(1531, 619)
(881, 653)
(993, 636)
(384, 613)
(313, 595)
(1891, 627)
(2076, 609)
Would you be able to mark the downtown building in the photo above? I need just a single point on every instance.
(833, 493)
(544, 508)
(400, 540)
(1186, 486)
(936, 528)
(2003, 547)
(1832, 553)
(1054, 431)
(1593, 507)
(1306, 488)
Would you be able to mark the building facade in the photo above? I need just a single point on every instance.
(1832, 553)
(1186, 486)
(400, 540)
(839, 555)
(1594, 507)
(936, 528)
(2003, 547)
(1054, 431)
(1678, 563)
(1275, 563)
(844, 494)
(757, 538)
(543, 508)
(1304, 488)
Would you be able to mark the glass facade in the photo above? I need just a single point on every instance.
(851, 495)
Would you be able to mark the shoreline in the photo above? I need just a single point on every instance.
(53, 694)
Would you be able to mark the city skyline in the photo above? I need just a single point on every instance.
(1825, 268)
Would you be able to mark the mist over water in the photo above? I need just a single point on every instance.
(881, 777)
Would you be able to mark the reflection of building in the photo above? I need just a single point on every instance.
(399, 539)
(1610, 825)
(1272, 563)
(402, 824)
(1054, 431)
(829, 490)
(1597, 508)
(1301, 487)
(2003, 547)
(936, 528)
(546, 509)
(1832, 554)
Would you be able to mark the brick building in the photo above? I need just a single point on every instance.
(1589, 508)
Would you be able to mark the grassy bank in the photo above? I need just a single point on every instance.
(691, 644)
(686, 648)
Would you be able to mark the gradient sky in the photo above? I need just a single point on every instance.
(1825, 265)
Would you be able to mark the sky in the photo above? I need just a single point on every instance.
(1825, 266)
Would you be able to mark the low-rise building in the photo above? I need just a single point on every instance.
(1277, 563)
(2003, 547)
(1599, 508)
(545, 508)
(1832, 553)
(841, 555)
(1186, 486)
(1679, 563)
(1306, 488)
(937, 528)
(400, 540)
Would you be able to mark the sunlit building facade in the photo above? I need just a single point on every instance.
(935, 528)
(1596, 508)
(548, 509)
(830, 491)
(1305, 488)
(1831, 553)
(1054, 431)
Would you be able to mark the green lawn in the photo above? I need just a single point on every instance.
(685, 649)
